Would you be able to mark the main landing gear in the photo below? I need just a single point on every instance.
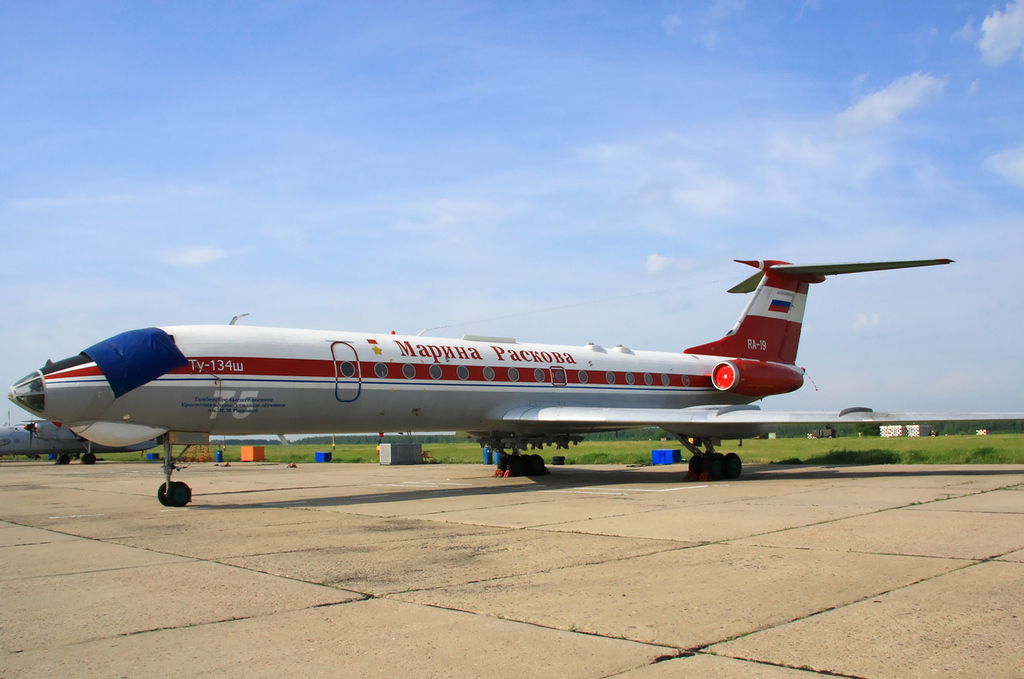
(709, 465)
(172, 493)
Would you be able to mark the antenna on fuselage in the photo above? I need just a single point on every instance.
(233, 320)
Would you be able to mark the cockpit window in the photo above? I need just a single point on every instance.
(64, 364)
(28, 393)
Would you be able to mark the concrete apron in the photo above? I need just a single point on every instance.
(359, 570)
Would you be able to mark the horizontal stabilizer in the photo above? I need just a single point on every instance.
(750, 284)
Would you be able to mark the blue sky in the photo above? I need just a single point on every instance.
(557, 172)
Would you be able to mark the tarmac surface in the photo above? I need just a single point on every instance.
(333, 570)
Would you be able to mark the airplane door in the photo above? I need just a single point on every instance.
(348, 381)
(558, 376)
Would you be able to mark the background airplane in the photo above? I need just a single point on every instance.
(34, 439)
(232, 380)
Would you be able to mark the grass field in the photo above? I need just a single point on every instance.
(993, 449)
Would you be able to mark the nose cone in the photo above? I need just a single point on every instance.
(64, 390)
(30, 393)
(81, 388)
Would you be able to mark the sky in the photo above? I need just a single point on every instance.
(558, 172)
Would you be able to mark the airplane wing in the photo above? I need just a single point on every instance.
(726, 422)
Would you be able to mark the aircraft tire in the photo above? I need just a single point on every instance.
(64, 458)
(516, 465)
(696, 464)
(733, 466)
(89, 458)
(714, 464)
(179, 494)
(535, 466)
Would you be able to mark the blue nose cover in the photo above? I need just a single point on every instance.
(136, 357)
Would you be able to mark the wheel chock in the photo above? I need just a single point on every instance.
(292, 465)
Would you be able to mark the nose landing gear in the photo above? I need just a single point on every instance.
(172, 493)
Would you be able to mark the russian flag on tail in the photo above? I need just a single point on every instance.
(780, 306)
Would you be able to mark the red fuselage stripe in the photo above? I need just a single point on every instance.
(317, 368)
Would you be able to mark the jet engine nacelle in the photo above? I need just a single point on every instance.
(745, 377)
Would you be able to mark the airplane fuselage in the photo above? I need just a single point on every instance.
(249, 380)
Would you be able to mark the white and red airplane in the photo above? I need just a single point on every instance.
(236, 380)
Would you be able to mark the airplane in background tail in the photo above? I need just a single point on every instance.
(178, 381)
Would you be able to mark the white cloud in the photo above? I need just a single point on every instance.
(808, 4)
(887, 105)
(710, 196)
(1003, 34)
(77, 200)
(720, 9)
(441, 216)
(968, 32)
(865, 321)
(710, 39)
(195, 256)
(717, 13)
(658, 263)
(669, 23)
(1009, 163)
(804, 150)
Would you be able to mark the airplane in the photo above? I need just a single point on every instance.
(37, 438)
(236, 380)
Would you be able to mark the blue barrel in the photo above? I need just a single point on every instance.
(487, 456)
(220, 456)
(498, 455)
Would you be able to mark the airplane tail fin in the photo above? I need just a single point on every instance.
(769, 328)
